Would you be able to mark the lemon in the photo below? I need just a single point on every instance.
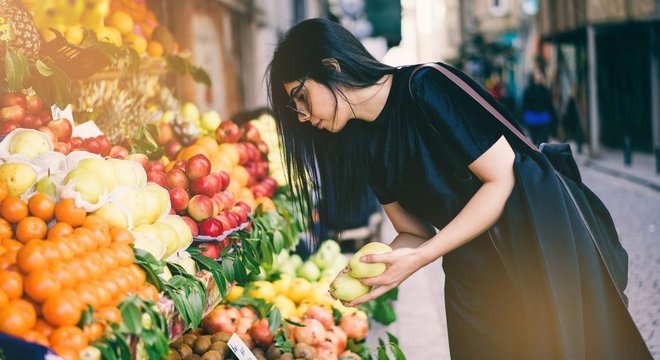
(122, 22)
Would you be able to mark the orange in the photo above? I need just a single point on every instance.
(87, 294)
(111, 286)
(4, 299)
(62, 310)
(3, 190)
(148, 292)
(95, 265)
(87, 238)
(11, 283)
(42, 206)
(96, 222)
(13, 321)
(36, 337)
(63, 248)
(155, 49)
(59, 229)
(44, 328)
(41, 285)
(93, 331)
(240, 175)
(76, 245)
(12, 244)
(51, 251)
(8, 260)
(123, 283)
(123, 253)
(121, 235)
(265, 202)
(30, 258)
(27, 310)
(13, 209)
(109, 259)
(68, 337)
(191, 151)
(66, 211)
(64, 274)
(5, 230)
(220, 163)
(207, 143)
(230, 153)
(109, 314)
(138, 273)
(121, 21)
(103, 296)
(30, 228)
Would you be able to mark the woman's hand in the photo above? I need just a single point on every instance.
(401, 263)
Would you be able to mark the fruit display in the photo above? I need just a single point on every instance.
(20, 111)
(347, 286)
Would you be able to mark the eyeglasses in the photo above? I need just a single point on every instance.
(292, 103)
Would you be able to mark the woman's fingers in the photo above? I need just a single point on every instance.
(377, 258)
(374, 293)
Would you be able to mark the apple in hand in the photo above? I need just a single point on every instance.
(198, 166)
(211, 227)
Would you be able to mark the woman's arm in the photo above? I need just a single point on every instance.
(495, 169)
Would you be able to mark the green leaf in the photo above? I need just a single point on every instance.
(16, 69)
(274, 320)
(382, 354)
(131, 318)
(199, 75)
(337, 315)
(176, 64)
(228, 269)
(43, 69)
(392, 339)
(151, 267)
(213, 267)
(396, 350)
(87, 317)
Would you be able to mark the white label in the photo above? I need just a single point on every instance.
(58, 113)
(86, 130)
(239, 348)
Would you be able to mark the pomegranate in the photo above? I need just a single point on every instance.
(323, 315)
(354, 326)
(261, 334)
(312, 333)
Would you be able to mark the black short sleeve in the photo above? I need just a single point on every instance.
(377, 184)
(456, 116)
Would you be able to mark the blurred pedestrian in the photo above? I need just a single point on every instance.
(524, 279)
(572, 123)
(538, 112)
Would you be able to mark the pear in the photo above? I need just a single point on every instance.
(103, 169)
(113, 214)
(46, 186)
(30, 144)
(18, 177)
(87, 184)
(182, 229)
(360, 269)
(347, 288)
(152, 245)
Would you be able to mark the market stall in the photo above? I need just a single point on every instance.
(134, 225)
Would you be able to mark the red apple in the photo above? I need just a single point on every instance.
(158, 166)
(12, 113)
(218, 205)
(194, 229)
(230, 199)
(323, 315)
(243, 205)
(176, 178)
(205, 185)
(75, 141)
(8, 126)
(225, 220)
(157, 177)
(209, 250)
(224, 176)
(179, 199)
(14, 98)
(118, 152)
(251, 134)
(50, 133)
(62, 147)
(45, 116)
(233, 218)
(62, 128)
(172, 148)
(227, 132)
(263, 147)
(104, 145)
(33, 104)
(92, 145)
(211, 227)
(241, 213)
(243, 155)
(180, 164)
(200, 207)
(217, 197)
(253, 152)
(198, 166)
(30, 121)
(259, 190)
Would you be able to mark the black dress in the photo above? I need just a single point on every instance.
(508, 294)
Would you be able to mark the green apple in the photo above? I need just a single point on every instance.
(295, 260)
(190, 112)
(104, 169)
(309, 271)
(287, 269)
(360, 269)
(326, 254)
(18, 177)
(347, 288)
(113, 214)
(210, 120)
(30, 144)
(86, 183)
(282, 284)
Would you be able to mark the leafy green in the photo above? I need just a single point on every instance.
(151, 266)
(16, 69)
(380, 309)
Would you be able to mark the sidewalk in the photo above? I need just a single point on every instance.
(610, 161)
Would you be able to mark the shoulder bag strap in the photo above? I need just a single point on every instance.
(478, 98)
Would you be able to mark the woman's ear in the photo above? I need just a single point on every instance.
(331, 64)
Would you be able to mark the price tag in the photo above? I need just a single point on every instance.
(239, 348)
(58, 113)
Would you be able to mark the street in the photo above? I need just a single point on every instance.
(421, 323)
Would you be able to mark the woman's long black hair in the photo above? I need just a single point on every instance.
(325, 170)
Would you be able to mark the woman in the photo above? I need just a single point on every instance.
(538, 112)
(516, 287)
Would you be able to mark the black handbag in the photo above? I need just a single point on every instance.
(597, 218)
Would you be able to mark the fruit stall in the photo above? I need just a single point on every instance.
(135, 226)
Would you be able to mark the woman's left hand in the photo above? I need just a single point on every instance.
(401, 263)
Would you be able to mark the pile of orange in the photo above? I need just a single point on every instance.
(49, 276)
